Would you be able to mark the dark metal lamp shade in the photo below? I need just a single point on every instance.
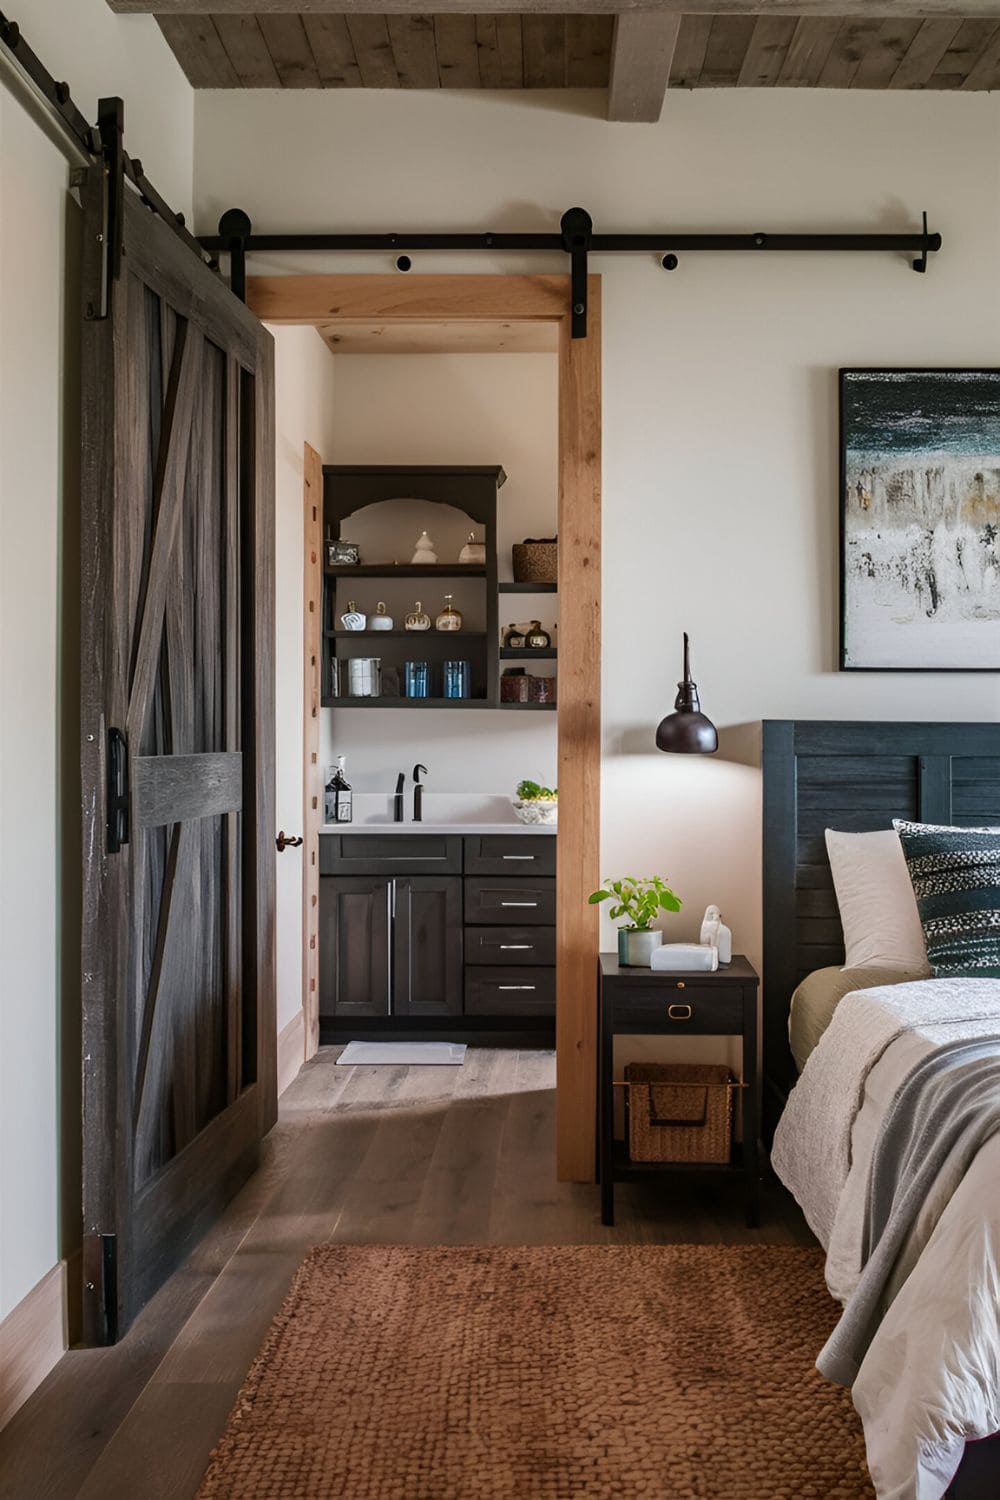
(687, 731)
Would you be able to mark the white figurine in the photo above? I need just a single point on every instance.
(425, 550)
(715, 934)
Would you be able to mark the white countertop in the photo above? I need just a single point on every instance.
(382, 826)
(443, 812)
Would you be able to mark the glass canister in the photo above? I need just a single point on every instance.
(416, 679)
(449, 618)
(456, 679)
(418, 618)
(364, 676)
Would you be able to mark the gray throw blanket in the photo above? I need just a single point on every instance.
(940, 1117)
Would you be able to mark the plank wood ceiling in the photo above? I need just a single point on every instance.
(510, 51)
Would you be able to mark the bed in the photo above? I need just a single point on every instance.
(859, 777)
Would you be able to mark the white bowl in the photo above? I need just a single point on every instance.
(543, 810)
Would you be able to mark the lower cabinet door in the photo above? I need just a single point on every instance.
(427, 945)
(355, 926)
(510, 992)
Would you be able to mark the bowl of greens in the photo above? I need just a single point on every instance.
(535, 804)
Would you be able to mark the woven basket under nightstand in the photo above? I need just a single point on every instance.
(680, 1112)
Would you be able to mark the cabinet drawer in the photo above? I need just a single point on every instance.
(679, 1005)
(390, 854)
(523, 901)
(510, 854)
(510, 945)
(510, 992)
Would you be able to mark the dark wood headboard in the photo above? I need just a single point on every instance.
(855, 777)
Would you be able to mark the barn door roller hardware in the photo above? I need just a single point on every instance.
(575, 239)
(103, 143)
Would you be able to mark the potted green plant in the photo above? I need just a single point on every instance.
(536, 804)
(639, 901)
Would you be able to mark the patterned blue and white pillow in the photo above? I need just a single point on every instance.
(955, 874)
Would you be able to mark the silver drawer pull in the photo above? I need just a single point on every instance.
(518, 903)
(516, 986)
(517, 856)
(515, 947)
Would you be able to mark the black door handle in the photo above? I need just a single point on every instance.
(117, 791)
(285, 841)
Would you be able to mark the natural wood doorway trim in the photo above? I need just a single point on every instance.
(323, 301)
(312, 812)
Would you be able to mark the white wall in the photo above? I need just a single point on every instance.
(304, 408)
(39, 394)
(720, 425)
(453, 409)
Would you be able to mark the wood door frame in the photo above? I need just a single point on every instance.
(326, 300)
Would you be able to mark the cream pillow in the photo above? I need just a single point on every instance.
(878, 910)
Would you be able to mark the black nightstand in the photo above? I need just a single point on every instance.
(641, 1002)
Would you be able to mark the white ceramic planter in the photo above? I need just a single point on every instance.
(635, 949)
(542, 810)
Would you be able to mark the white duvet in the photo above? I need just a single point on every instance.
(931, 1377)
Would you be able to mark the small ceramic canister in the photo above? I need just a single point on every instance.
(380, 620)
(353, 619)
(425, 553)
(473, 551)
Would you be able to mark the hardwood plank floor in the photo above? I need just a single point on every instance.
(359, 1155)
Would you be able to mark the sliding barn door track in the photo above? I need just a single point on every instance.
(575, 239)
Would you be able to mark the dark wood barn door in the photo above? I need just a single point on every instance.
(177, 758)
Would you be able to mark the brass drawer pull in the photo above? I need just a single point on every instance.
(681, 984)
(679, 1012)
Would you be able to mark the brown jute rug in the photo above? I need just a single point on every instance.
(551, 1373)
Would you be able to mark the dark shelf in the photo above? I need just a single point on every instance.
(527, 588)
(406, 570)
(348, 702)
(551, 707)
(369, 636)
(527, 653)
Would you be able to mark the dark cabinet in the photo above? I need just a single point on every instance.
(355, 945)
(394, 944)
(390, 945)
(427, 945)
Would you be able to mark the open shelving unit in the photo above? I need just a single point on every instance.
(472, 491)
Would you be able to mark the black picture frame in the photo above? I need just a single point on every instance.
(928, 380)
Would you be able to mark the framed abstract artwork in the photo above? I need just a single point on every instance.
(920, 520)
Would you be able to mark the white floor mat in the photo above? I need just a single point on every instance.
(407, 1054)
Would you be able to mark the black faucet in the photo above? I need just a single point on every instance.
(397, 801)
(418, 793)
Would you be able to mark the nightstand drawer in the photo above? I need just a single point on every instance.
(679, 1005)
(510, 945)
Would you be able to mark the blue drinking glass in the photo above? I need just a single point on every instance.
(456, 679)
(415, 679)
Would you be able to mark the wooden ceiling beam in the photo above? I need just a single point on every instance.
(642, 53)
(843, 8)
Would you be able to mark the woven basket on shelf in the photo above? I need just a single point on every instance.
(535, 561)
(679, 1111)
